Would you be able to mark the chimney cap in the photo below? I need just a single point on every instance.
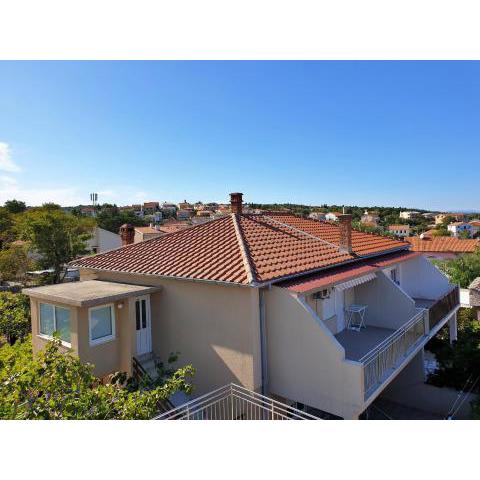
(236, 199)
(126, 226)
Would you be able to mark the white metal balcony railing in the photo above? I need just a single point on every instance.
(232, 402)
(380, 362)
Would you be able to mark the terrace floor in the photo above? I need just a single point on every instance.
(357, 344)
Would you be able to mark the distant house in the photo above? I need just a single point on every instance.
(370, 219)
(169, 208)
(223, 209)
(456, 228)
(442, 248)
(146, 233)
(88, 211)
(204, 213)
(332, 216)
(185, 214)
(440, 218)
(185, 205)
(400, 230)
(173, 226)
(474, 296)
(317, 216)
(153, 217)
(137, 210)
(102, 240)
(429, 215)
(149, 208)
(475, 226)
(409, 214)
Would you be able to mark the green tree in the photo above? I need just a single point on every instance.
(56, 385)
(459, 363)
(14, 316)
(15, 206)
(462, 270)
(57, 236)
(15, 262)
(6, 224)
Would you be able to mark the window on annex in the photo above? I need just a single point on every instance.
(55, 319)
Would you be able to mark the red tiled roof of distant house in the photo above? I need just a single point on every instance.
(174, 227)
(146, 230)
(242, 249)
(398, 227)
(475, 223)
(150, 205)
(443, 244)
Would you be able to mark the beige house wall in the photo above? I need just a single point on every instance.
(112, 356)
(387, 305)
(214, 327)
(305, 362)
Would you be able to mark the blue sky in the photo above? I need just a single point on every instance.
(365, 133)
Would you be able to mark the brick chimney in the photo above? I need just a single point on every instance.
(345, 225)
(236, 200)
(127, 234)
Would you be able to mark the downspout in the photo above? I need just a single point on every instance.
(263, 341)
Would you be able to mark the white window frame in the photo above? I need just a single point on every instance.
(50, 337)
(108, 338)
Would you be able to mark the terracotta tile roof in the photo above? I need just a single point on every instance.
(398, 227)
(174, 227)
(307, 283)
(236, 248)
(443, 244)
(475, 223)
(146, 230)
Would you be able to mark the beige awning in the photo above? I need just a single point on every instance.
(356, 281)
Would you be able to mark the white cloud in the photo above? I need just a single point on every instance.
(6, 162)
(68, 195)
(10, 189)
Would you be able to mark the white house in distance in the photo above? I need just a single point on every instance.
(370, 219)
(306, 312)
(102, 240)
(332, 216)
(317, 216)
(456, 228)
(410, 214)
(400, 230)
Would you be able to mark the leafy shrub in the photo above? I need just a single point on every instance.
(56, 385)
(14, 316)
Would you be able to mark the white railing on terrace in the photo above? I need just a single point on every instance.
(380, 362)
(233, 402)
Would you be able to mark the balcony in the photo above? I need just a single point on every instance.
(438, 309)
(381, 351)
(232, 402)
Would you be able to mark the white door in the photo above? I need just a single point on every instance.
(143, 323)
